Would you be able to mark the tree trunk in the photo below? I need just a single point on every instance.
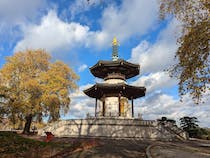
(27, 124)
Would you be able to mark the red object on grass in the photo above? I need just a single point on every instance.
(49, 136)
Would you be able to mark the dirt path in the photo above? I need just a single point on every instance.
(109, 148)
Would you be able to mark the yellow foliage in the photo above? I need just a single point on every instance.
(33, 85)
(193, 67)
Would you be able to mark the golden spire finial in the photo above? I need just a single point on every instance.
(114, 41)
(115, 46)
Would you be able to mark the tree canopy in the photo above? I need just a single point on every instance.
(192, 69)
(34, 87)
(189, 124)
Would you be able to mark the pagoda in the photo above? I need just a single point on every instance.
(114, 108)
(114, 97)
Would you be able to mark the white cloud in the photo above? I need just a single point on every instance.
(80, 6)
(80, 108)
(124, 21)
(14, 14)
(82, 67)
(155, 81)
(53, 34)
(155, 58)
(79, 92)
(160, 55)
(17, 11)
(80, 104)
(130, 19)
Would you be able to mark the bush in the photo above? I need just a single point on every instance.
(200, 133)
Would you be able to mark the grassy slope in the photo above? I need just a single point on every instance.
(14, 145)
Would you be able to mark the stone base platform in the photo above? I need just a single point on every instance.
(112, 128)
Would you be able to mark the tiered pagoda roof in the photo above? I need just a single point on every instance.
(120, 66)
(128, 91)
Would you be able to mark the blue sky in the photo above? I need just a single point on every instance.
(79, 33)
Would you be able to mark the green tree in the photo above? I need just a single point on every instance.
(34, 87)
(189, 124)
(164, 120)
(192, 69)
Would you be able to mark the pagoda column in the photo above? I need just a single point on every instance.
(96, 108)
(119, 96)
(132, 106)
(103, 108)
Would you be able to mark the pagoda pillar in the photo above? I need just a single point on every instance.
(132, 107)
(103, 109)
(96, 107)
(119, 96)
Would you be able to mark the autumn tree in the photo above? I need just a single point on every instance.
(34, 87)
(192, 69)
